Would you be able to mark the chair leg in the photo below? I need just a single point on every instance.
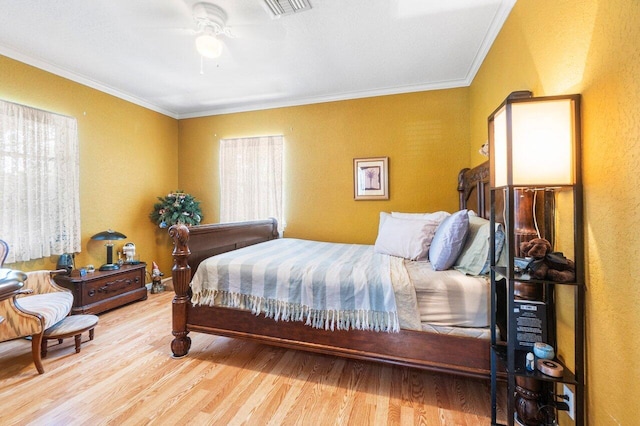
(78, 338)
(36, 346)
(43, 348)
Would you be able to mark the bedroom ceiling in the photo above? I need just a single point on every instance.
(144, 50)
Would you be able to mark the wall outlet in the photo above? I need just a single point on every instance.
(570, 401)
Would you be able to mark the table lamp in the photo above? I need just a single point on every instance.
(109, 236)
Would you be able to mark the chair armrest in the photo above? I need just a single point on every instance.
(8, 289)
(11, 282)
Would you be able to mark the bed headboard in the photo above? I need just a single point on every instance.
(473, 190)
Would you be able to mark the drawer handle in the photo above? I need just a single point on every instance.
(92, 293)
(116, 285)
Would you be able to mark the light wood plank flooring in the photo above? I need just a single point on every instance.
(127, 376)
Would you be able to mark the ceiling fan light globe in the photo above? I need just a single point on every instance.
(209, 46)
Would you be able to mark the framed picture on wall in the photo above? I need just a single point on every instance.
(371, 178)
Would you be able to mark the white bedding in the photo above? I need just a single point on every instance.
(449, 298)
(426, 299)
(327, 285)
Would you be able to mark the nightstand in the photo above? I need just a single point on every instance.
(101, 291)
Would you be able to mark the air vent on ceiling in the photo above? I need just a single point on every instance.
(287, 7)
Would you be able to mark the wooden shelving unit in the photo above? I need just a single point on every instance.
(508, 361)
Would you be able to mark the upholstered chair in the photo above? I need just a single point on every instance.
(40, 304)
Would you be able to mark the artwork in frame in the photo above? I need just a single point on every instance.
(371, 178)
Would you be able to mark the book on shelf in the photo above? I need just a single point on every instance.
(530, 322)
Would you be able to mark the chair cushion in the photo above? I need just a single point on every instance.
(71, 325)
(52, 306)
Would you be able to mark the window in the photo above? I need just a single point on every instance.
(39, 183)
(251, 179)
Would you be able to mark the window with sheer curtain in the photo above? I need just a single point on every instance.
(39, 183)
(251, 179)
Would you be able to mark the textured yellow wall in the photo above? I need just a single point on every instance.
(128, 156)
(127, 159)
(425, 135)
(548, 46)
(589, 47)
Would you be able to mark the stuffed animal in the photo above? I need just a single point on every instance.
(552, 266)
(536, 248)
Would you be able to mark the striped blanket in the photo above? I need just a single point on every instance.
(327, 285)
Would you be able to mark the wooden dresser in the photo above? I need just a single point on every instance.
(100, 291)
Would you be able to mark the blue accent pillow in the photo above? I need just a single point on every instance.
(499, 245)
(449, 240)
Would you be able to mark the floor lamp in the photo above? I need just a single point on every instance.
(533, 146)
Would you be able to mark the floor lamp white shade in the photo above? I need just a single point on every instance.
(533, 142)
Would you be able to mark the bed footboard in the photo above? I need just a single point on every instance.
(190, 247)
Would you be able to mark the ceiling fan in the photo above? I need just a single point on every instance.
(210, 22)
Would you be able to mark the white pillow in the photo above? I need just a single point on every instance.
(383, 218)
(438, 216)
(449, 240)
(407, 238)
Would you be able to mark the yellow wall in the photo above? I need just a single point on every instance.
(128, 156)
(127, 159)
(548, 46)
(590, 47)
(425, 135)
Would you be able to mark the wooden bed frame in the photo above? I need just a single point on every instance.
(424, 350)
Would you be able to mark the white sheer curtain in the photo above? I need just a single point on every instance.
(251, 179)
(39, 183)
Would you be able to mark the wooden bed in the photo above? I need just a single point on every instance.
(425, 350)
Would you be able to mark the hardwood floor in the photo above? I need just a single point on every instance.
(127, 376)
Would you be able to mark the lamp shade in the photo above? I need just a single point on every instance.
(534, 141)
(109, 235)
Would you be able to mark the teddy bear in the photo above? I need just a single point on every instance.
(536, 248)
(552, 266)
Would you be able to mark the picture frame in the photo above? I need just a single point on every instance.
(371, 178)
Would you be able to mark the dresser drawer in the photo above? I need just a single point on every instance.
(104, 290)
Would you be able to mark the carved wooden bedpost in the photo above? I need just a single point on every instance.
(181, 273)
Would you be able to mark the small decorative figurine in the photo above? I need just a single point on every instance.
(129, 251)
(156, 279)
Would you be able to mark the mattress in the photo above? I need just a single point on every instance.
(449, 298)
(483, 333)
